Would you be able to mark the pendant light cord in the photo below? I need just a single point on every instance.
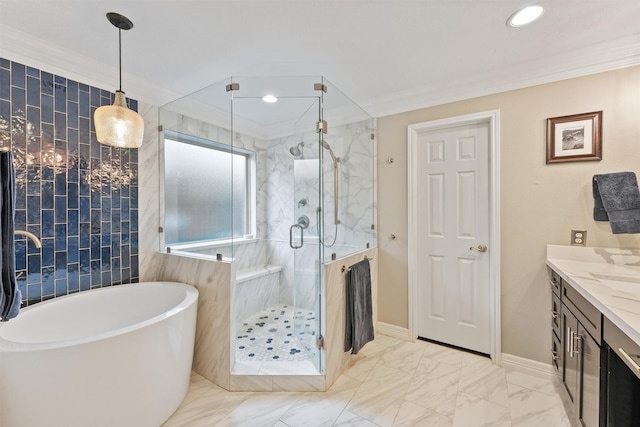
(120, 57)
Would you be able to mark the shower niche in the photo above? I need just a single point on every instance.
(274, 176)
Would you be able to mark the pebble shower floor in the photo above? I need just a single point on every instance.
(270, 335)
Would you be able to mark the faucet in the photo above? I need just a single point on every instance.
(30, 235)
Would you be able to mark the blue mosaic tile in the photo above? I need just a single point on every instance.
(61, 264)
(115, 246)
(72, 91)
(18, 103)
(33, 268)
(21, 255)
(18, 75)
(48, 250)
(33, 91)
(85, 261)
(88, 225)
(73, 222)
(61, 237)
(48, 281)
(33, 209)
(73, 278)
(48, 221)
(106, 258)
(95, 247)
(73, 252)
(106, 234)
(60, 98)
(46, 108)
(60, 125)
(5, 90)
(85, 282)
(46, 193)
(96, 277)
(46, 83)
(72, 115)
(5, 110)
(85, 235)
(73, 199)
(60, 209)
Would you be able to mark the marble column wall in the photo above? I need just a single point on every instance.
(336, 359)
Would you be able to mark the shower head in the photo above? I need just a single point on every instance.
(297, 150)
(326, 146)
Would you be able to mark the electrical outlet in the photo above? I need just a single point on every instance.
(578, 237)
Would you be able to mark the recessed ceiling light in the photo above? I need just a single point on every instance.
(270, 99)
(525, 16)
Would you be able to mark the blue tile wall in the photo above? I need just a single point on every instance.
(78, 196)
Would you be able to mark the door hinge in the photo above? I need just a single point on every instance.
(322, 126)
(320, 86)
(233, 86)
(160, 230)
(320, 341)
(373, 136)
(160, 128)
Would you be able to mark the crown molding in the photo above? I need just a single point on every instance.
(43, 55)
(597, 59)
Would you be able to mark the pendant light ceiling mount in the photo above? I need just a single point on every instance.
(116, 125)
(119, 21)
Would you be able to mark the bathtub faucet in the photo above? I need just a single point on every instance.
(30, 235)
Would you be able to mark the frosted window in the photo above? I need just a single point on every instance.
(207, 192)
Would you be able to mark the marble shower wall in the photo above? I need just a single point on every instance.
(78, 196)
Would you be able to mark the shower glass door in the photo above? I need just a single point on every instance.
(282, 131)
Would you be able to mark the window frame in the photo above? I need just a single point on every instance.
(250, 179)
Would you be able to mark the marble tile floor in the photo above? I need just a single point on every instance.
(391, 383)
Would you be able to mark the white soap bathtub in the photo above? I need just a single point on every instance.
(116, 356)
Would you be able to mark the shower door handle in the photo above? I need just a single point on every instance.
(291, 236)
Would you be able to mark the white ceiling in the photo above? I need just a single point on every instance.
(388, 56)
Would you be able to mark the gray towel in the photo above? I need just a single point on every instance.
(617, 200)
(359, 324)
(12, 296)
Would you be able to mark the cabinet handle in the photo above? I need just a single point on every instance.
(570, 341)
(554, 314)
(577, 347)
(554, 355)
(554, 283)
(629, 359)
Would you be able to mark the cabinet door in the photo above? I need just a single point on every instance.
(570, 358)
(589, 379)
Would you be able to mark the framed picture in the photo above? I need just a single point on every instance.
(574, 138)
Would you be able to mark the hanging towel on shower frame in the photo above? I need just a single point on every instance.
(359, 311)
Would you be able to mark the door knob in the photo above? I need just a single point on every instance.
(479, 248)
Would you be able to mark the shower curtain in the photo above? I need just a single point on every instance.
(10, 296)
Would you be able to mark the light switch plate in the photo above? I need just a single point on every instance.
(578, 237)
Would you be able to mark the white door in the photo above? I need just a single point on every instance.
(450, 190)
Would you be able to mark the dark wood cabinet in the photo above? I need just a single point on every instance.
(576, 350)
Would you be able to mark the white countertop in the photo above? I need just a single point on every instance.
(608, 278)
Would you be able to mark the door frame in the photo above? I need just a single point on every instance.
(492, 118)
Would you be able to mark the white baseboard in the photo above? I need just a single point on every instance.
(393, 331)
(527, 366)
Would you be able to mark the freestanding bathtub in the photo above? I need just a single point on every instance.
(116, 356)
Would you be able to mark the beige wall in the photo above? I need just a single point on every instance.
(540, 203)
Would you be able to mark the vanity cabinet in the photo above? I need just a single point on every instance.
(576, 349)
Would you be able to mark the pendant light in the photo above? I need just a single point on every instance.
(116, 124)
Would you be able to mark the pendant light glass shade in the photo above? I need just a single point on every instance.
(117, 125)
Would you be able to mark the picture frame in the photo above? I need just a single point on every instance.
(574, 138)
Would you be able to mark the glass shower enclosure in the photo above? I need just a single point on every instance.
(274, 174)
